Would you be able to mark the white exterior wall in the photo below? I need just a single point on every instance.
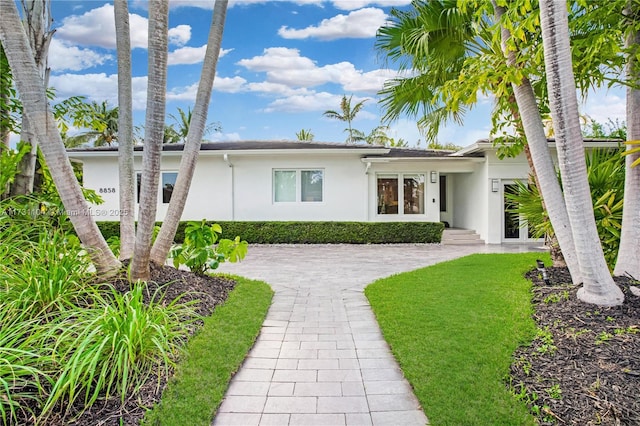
(470, 200)
(209, 196)
(344, 188)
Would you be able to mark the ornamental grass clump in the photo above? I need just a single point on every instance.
(113, 347)
(24, 365)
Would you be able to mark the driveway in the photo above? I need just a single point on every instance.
(320, 358)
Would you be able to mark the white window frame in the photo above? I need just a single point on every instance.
(400, 176)
(298, 184)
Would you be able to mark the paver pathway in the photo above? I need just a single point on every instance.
(320, 358)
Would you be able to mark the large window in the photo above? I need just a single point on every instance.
(298, 185)
(168, 180)
(401, 193)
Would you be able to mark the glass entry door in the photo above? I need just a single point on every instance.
(511, 224)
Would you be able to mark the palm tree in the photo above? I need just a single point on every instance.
(34, 99)
(125, 131)
(598, 285)
(348, 114)
(197, 125)
(154, 128)
(305, 135)
(542, 164)
(37, 25)
(628, 253)
(183, 123)
(101, 123)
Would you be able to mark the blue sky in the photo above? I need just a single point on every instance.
(283, 64)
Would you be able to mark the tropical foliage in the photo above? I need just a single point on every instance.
(605, 172)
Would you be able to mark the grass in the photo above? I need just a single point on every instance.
(213, 355)
(453, 328)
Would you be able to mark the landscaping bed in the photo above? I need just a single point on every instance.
(583, 368)
(209, 292)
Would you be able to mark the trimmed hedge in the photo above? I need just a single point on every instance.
(316, 232)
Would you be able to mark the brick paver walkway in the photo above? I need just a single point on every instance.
(320, 358)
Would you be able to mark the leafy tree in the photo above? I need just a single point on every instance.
(33, 94)
(347, 114)
(180, 130)
(100, 122)
(305, 135)
(37, 26)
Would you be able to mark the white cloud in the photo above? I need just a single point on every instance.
(63, 57)
(220, 84)
(98, 87)
(285, 67)
(225, 137)
(277, 89)
(191, 55)
(277, 58)
(363, 23)
(97, 28)
(179, 35)
(320, 101)
(357, 4)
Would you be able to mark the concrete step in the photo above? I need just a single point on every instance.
(460, 237)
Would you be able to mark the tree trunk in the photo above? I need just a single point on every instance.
(194, 137)
(125, 131)
(37, 24)
(32, 92)
(628, 262)
(598, 285)
(154, 130)
(543, 163)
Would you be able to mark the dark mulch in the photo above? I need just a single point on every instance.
(584, 366)
(209, 292)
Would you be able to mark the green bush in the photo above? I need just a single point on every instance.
(316, 232)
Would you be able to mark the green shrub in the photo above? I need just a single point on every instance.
(265, 232)
(198, 252)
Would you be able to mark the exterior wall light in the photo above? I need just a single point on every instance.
(495, 185)
(434, 177)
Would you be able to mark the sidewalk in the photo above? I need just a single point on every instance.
(320, 358)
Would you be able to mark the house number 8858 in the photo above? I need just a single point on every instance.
(106, 190)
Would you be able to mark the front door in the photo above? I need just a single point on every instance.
(513, 228)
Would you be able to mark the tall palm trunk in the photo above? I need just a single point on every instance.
(37, 23)
(125, 131)
(34, 100)
(629, 253)
(542, 160)
(598, 285)
(154, 130)
(194, 137)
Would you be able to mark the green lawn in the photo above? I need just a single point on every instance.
(212, 356)
(453, 328)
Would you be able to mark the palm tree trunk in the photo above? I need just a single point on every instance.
(598, 285)
(154, 129)
(628, 262)
(196, 129)
(542, 161)
(125, 131)
(34, 100)
(37, 23)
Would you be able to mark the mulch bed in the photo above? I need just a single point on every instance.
(209, 293)
(583, 368)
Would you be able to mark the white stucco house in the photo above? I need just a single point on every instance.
(312, 181)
